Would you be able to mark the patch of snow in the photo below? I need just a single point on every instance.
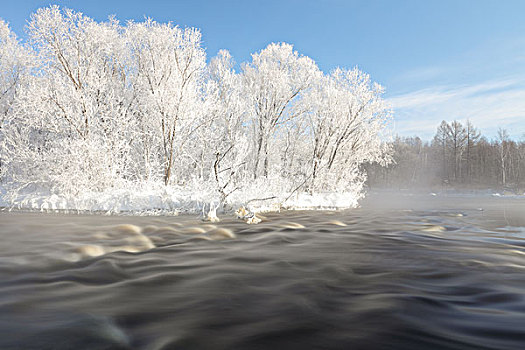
(154, 199)
(212, 213)
(327, 201)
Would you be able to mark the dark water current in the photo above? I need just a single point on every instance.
(402, 272)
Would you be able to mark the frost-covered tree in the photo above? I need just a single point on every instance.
(16, 62)
(170, 64)
(229, 132)
(76, 108)
(273, 82)
(347, 118)
(84, 66)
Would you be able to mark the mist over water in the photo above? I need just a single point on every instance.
(404, 271)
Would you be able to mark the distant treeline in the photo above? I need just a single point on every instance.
(457, 156)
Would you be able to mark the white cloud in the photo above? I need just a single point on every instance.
(489, 105)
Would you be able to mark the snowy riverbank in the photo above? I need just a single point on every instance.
(162, 200)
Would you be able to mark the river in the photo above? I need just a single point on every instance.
(403, 271)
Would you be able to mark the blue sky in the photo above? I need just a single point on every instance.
(437, 59)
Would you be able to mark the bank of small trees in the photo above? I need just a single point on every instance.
(96, 106)
(458, 156)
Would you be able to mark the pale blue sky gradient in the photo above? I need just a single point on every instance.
(437, 59)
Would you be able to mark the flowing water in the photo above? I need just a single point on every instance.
(402, 272)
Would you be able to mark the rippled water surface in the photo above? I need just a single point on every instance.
(402, 272)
